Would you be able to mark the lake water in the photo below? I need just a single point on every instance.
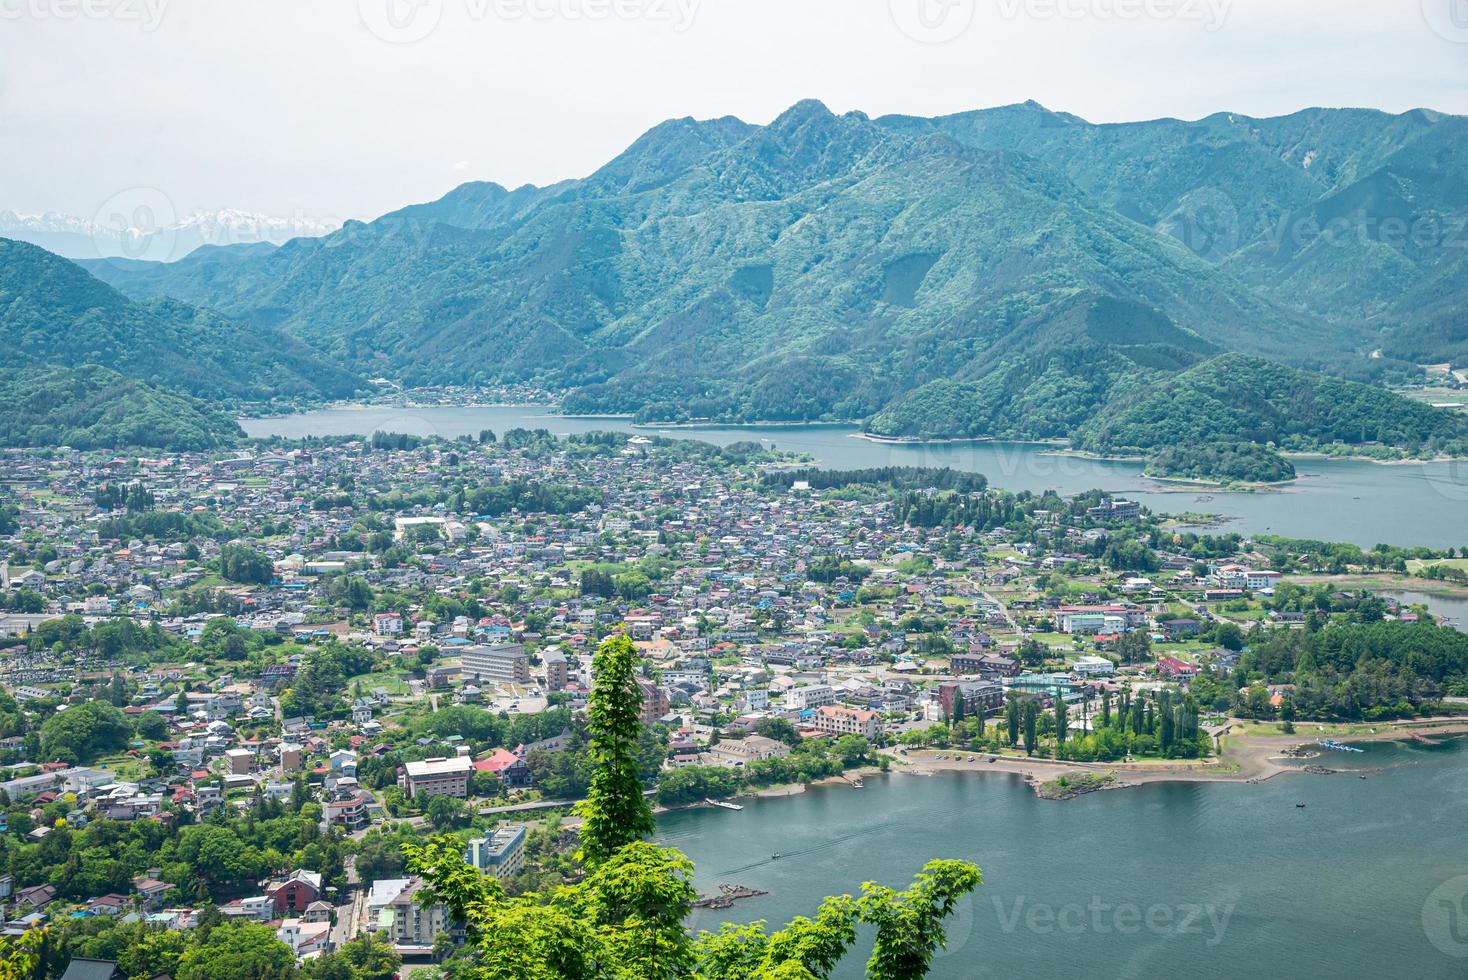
(1334, 500)
(1452, 608)
(1167, 880)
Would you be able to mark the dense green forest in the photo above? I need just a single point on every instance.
(1224, 462)
(53, 312)
(1234, 398)
(1361, 667)
(550, 498)
(94, 408)
(1194, 424)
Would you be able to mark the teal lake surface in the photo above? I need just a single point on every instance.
(1165, 880)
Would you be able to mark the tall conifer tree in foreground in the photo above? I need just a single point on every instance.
(624, 921)
(615, 812)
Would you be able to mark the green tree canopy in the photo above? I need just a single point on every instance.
(84, 732)
(238, 952)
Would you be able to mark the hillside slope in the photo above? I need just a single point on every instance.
(53, 312)
(90, 407)
(1349, 214)
(1234, 398)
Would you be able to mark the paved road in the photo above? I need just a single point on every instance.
(349, 919)
(522, 807)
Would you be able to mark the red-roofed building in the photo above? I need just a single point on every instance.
(509, 767)
(296, 892)
(1175, 668)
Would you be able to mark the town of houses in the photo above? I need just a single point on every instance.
(749, 601)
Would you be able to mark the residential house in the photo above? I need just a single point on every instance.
(294, 892)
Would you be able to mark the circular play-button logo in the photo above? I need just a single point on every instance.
(932, 21)
(401, 21)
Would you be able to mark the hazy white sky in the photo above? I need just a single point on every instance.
(348, 108)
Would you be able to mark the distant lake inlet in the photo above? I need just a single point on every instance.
(1359, 501)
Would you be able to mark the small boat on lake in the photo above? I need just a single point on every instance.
(1330, 743)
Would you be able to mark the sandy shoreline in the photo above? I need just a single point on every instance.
(795, 789)
(1244, 759)
(782, 789)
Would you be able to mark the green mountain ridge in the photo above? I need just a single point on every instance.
(91, 407)
(52, 312)
(817, 267)
(1234, 398)
(1006, 272)
(1334, 212)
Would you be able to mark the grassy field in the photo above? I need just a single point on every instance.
(392, 682)
(1387, 581)
(1316, 729)
(1415, 565)
(1438, 396)
(125, 767)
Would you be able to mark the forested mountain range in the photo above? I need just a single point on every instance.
(90, 368)
(54, 312)
(1351, 214)
(1011, 270)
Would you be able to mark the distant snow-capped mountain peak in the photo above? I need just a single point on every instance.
(171, 239)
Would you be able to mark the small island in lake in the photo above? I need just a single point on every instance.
(1225, 464)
